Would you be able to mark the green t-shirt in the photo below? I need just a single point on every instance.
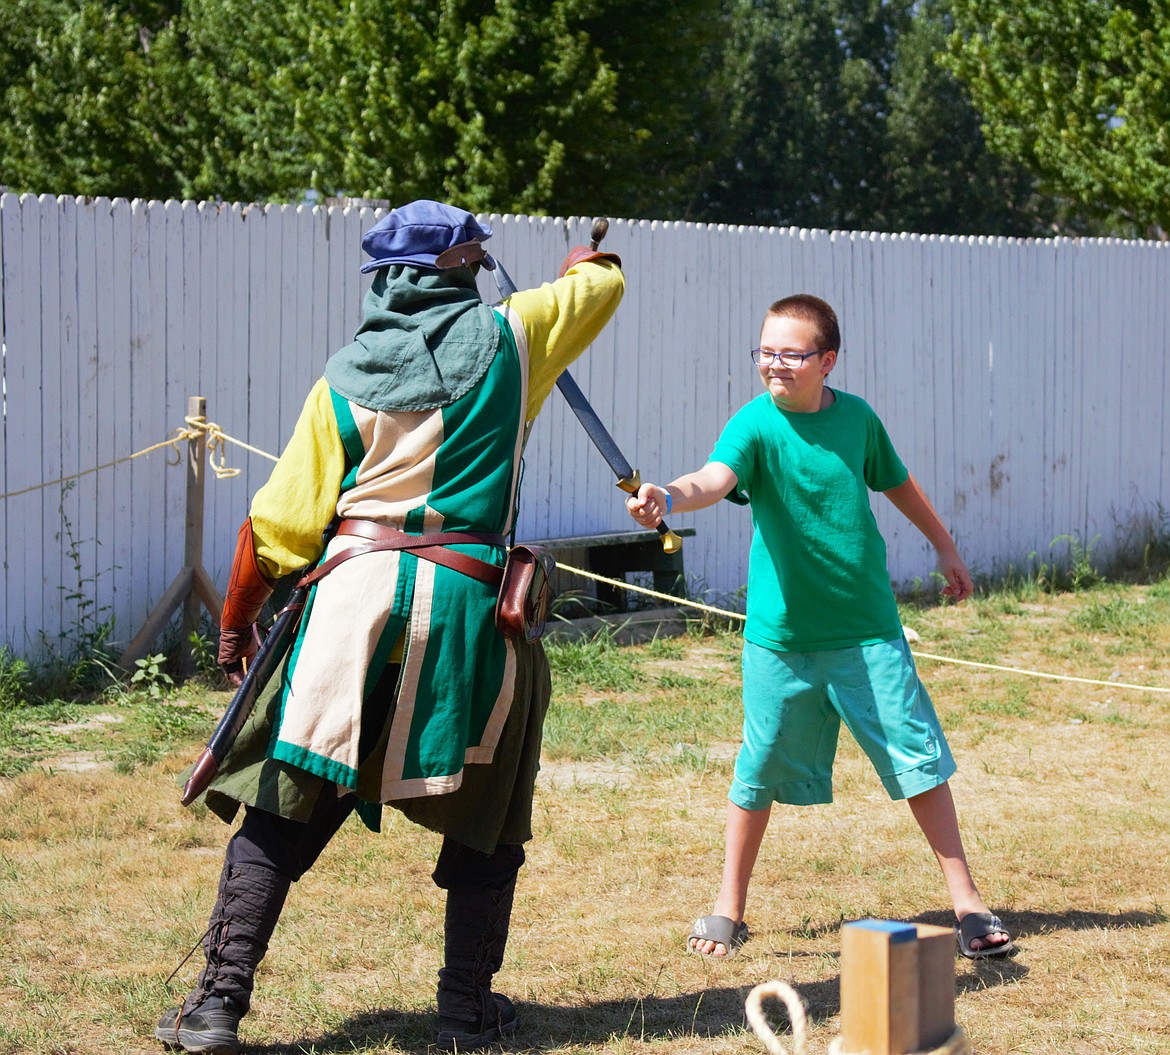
(817, 575)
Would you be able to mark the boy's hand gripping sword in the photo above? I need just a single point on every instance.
(628, 478)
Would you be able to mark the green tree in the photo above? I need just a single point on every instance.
(657, 149)
(472, 101)
(940, 174)
(523, 105)
(1079, 92)
(244, 66)
(839, 116)
(803, 101)
(87, 91)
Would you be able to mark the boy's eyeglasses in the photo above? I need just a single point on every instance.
(762, 357)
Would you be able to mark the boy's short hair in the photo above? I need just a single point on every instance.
(810, 309)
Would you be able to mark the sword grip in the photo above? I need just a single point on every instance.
(671, 543)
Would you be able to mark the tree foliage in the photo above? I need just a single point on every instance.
(1079, 92)
(459, 99)
(514, 105)
(837, 116)
(87, 90)
(833, 113)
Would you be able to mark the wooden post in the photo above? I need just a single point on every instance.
(897, 987)
(191, 586)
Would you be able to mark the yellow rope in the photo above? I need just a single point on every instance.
(174, 441)
(1040, 674)
(670, 598)
(217, 439)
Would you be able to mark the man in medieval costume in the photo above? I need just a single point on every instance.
(398, 689)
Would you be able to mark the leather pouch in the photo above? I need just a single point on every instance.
(525, 593)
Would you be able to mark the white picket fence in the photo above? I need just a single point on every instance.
(1023, 381)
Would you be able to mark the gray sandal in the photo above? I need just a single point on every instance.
(978, 925)
(720, 929)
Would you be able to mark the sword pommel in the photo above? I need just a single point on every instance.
(671, 543)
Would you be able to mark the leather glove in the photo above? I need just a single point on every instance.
(248, 589)
(581, 253)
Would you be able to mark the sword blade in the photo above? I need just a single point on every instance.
(628, 479)
(594, 428)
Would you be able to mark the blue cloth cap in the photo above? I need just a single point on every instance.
(416, 233)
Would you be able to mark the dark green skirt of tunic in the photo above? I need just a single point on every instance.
(492, 805)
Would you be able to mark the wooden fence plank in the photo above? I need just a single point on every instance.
(22, 434)
(84, 409)
(115, 429)
(5, 216)
(54, 542)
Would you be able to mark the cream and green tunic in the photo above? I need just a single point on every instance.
(456, 737)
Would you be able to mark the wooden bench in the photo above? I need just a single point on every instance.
(616, 553)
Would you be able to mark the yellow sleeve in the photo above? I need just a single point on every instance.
(562, 318)
(294, 507)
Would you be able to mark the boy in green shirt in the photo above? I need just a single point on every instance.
(823, 640)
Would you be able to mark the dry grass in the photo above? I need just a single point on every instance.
(105, 882)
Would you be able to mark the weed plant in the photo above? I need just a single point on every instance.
(15, 679)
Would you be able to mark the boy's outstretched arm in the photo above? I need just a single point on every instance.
(911, 501)
(704, 487)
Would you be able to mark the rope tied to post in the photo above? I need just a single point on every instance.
(217, 441)
(180, 436)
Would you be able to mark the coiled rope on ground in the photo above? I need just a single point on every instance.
(217, 441)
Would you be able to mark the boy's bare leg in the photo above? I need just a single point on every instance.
(745, 833)
(934, 811)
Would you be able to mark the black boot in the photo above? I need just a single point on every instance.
(470, 1015)
(245, 914)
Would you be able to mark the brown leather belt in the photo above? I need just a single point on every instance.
(432, 547)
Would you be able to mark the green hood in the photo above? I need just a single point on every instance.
(426, 338)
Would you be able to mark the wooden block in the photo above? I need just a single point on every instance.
(879, 988)
(936, 985)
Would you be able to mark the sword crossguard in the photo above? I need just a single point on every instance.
(632, 482)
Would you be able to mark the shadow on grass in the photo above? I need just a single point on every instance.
(1027, 923)
(544, 1027)
(1024, 923)
(706, 1013)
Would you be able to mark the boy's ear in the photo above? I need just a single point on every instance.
(828, 362)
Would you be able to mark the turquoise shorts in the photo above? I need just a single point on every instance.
(793, 707)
